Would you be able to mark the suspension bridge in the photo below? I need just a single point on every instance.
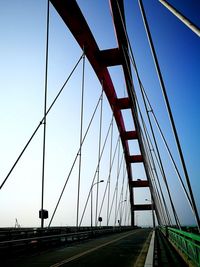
(93, 169)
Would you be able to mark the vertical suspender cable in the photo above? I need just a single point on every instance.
(159, 166)
(154, 197)
(154, 202)
(167, 148)
(168, 220)
(117, 183)
(130, 50)
(73, 164)
(160, 160)
(109, 178)
(147, 172)
(164, 140)
(45, 111)
(122, 195)
(117, 202)
(81, 137)
(126, 196)
(165, 96)
(113, 198)
(110, 169)
(99, 155)
(157, 149)
(142, 90)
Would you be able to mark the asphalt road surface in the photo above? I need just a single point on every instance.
(127, 249)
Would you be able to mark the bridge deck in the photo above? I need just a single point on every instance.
(122, 249)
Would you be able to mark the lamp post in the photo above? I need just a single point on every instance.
(153, 218)
(91, 197)
(120, 206)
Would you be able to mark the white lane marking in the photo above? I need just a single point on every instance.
(150, 254)
(91, 250)
(138, 262)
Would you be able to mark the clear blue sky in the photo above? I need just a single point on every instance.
(178, 53)
(22, 54)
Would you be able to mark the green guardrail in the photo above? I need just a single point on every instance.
(186, 243)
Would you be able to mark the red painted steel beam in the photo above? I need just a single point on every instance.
(123, 103)
(122, 42)
(139, 183)
(117, 8)
(142, 207)
(110, 57)
(135, 159)
(75, 21)
(130, 135)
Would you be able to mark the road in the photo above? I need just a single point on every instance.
(125, 249)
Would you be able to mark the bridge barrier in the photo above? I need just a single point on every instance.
(39, 239)
(187, 244)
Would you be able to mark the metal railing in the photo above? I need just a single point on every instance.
(187, 244)
(35, 239)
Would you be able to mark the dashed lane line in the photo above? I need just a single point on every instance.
(91, 250)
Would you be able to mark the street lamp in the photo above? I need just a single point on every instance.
(101, 181)
(120, 218)
(153, 218)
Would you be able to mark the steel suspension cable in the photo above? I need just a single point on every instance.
(157, 124)
(132, 57)
(126, 196)
(157, 160)
(99, 154)
(181, 17)
(133, 97)
(114, 194)
(122, 212)
(81, 137)
(40, 123)
(157, 178)
(73, 164)
(131, 92)
(166, 145)
(110, 170)
(119, 209)
(162, 210)
(149, 151)
(146, 168)
(45, 110)
(137, 123)
(162, 168)
(118, 162)
(165, 96)
(109, 176)
(140, 139)
(102, 151)
(155, 171)
(165, 180)
(154, 201)
(152, 177)
(109, 213)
